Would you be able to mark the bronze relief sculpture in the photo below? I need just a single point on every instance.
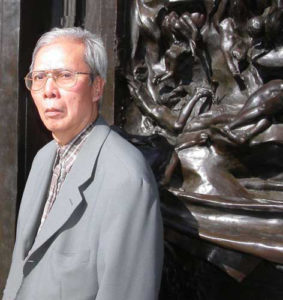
(206, 78)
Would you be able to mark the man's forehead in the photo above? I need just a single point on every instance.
(63, 43)
(58, 53)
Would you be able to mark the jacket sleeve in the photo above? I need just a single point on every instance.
(130, 253)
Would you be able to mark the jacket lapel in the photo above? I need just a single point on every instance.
(70, 196)
(35, 196)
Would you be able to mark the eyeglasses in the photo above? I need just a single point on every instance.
(65, 79)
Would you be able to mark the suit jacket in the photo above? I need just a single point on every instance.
(103, 236)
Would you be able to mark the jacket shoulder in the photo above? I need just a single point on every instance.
(125, 158)
(46, 150)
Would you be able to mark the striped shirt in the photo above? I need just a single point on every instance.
(64, 160)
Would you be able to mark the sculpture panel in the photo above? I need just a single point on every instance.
(204, 78)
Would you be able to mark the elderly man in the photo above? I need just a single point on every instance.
(89, 225)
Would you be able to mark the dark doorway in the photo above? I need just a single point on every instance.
(37, 17)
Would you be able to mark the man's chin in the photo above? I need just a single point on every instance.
(54, 126)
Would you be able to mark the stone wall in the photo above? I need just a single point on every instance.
(9, 47)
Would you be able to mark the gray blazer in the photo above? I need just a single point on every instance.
(103, 237)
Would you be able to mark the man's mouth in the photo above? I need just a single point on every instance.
(52, 112)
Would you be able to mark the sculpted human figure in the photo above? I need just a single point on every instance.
(144, 27)
(184, 38)
(233, 47)
(162, 114)
(260, 110)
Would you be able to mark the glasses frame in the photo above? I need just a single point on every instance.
(50, 74)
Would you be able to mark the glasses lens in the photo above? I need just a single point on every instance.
(30, 82)
(35, 80)
(65, 78)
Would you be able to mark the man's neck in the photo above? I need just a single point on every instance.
(64, 139)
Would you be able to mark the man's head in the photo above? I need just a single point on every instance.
(68, 72)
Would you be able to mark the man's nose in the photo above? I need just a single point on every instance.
(50, 88)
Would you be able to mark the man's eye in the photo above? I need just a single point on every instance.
(38, 76)
(65, 75)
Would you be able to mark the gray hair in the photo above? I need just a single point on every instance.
(95, 54)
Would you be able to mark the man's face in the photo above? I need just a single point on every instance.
(65, 112)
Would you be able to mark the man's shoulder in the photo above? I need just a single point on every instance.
(122, 155)
(123, 151)
(46, 150)
(125, 168)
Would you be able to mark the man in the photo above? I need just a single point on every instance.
(89, 225)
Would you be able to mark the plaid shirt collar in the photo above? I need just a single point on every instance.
(67, 154)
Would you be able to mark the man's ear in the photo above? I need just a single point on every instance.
(98, 85)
